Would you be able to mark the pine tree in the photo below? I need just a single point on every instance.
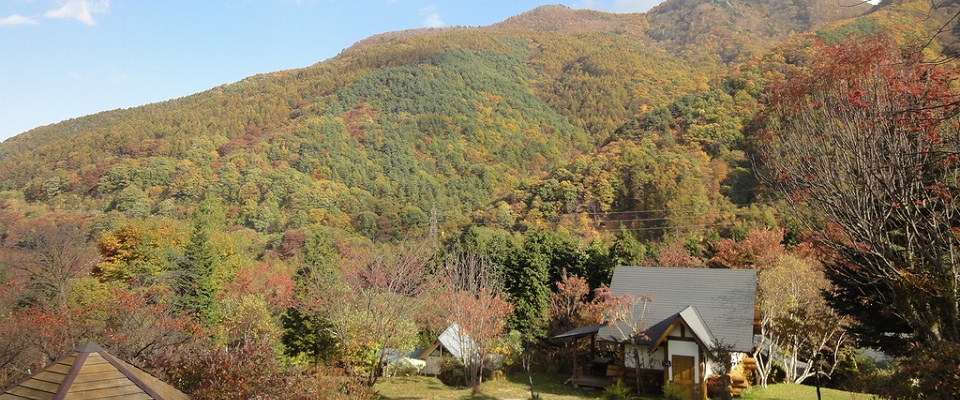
(194, 283)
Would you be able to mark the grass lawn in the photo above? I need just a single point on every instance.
(551, 387)
(511, 387)
(788, 391)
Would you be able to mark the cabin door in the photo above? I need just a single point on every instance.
(683, 374)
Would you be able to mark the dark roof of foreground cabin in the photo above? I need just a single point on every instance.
(580, 332)
(718, 304)
(89, 372)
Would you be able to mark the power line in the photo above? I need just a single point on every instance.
(662, 210)
(658, 228)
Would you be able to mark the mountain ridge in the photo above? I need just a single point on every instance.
(459, 118)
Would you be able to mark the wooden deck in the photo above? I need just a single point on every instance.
(591, 381)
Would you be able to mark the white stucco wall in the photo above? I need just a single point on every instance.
(735, 360)
(647, 361)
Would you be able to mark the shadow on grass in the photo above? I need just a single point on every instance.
(422, 387)
(548, 383)
(479, 396)
(512, 386)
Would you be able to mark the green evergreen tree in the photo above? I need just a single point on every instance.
(319, 258)
(195, 286)
(307, 335)
(528, 285)
(627, 250)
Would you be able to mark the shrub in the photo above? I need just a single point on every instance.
(327, 383)
(672, 391)
(403, 367)
(451, 372)
(617, 391)
(718, 386)
(253, 371)
(929, 371)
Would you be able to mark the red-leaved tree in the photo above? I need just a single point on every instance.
(865, 144)
(471, 297)
(571, 305)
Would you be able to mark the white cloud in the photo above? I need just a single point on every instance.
(17, 19)
(433, 21)
(80, 10)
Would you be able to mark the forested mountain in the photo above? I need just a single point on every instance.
(400, 125)
(448, 121)
(730, 31)
(554, 145)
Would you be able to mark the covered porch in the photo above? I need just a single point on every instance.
(600, 364)
(589, 369)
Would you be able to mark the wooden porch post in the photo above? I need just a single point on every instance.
(576, 370)
(703, 376)
(623, 357)
(666, 369)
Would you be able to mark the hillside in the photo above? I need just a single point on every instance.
(734, 31)
(399, 124)
(445, 121)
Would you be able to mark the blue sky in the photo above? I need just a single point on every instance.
(61, 59)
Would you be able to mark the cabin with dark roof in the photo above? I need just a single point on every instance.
(690, 313)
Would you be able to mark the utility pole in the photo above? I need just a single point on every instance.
(433, 224)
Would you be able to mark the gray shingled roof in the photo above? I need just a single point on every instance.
(700, 329)
(723, 299)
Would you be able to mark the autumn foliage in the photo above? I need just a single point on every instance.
(864, 145)
(285, 233)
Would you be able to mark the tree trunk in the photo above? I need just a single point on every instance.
(527, 361)
(637, 369)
